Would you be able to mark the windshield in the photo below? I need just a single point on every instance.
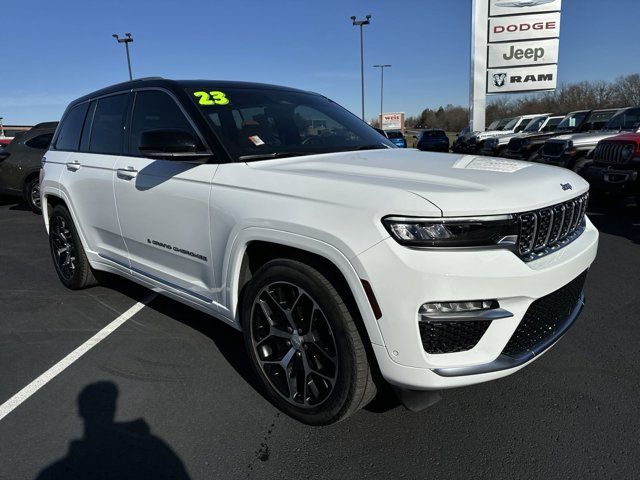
(572, 121)
(493, 125)
(511, 125)
(255, 123)
(394, 134)
(433, 133)
(503, 123)
(626, 120)
(535, 124)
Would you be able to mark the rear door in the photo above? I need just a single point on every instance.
(89, 172)
(163, 205)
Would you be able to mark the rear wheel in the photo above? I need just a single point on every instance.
(67, 252)
(32, 194)
(304, 344)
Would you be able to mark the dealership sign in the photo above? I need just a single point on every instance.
(514, 49)
(524, 27)
(392, 121)
(509, 80)
(517, 54)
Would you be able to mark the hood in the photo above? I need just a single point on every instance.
(459, 185)
(588, 138)
(492, 133)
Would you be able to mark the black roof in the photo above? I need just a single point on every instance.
(174, 85)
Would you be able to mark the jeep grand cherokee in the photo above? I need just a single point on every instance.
(345, 262)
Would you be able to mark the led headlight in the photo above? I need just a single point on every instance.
(627, 152)
(453, 232)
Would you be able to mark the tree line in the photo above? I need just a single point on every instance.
(622, 92)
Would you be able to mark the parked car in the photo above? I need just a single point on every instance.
(396, 138)
(615, 169)
(526, 146)
(572, 151)
(345, 261)
(20, 164)
(433, 140)
(468, 143)
(514, 125)
(496, 146)
(458, 143)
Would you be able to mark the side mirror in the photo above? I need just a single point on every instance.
(4, 154)
(170, 144)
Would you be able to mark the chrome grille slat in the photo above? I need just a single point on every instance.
(544, 230)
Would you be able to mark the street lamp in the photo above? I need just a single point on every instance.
(381, 67)
(126, 40)
(361, 23)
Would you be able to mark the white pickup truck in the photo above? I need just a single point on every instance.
(347, 263)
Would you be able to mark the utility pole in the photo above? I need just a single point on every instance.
(381, 67)
(126, 40)
(361, 23)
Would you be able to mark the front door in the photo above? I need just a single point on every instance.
(163, 205)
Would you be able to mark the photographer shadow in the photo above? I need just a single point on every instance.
(110, 449)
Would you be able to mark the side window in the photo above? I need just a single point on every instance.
(86, 129)
(155, 110)
(71, 128)
(41, 142)
(107, 130)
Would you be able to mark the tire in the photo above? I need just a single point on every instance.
(67, 252)
(322, 374)
(31, 195)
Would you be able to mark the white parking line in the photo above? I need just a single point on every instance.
(7, 407)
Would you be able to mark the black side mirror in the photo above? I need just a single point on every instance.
(169, 143)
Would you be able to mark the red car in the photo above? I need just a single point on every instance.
(616, 166)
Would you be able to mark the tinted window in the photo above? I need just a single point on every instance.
(392, 134)
(107, 130)
(433, 133)
(41, 142)
(625, 120)
(154, 110)
(71, 128)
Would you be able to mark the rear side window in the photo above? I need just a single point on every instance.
(107, 130)
(71, 128)
(155, 110)
(41, 142)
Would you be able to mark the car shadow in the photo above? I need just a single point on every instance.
(14, 202)
(110, 449)
(621, 218)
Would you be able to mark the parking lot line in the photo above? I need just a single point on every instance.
(7, 407)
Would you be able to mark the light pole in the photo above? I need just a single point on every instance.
(381, 67)
(126, 40)
(361, 23)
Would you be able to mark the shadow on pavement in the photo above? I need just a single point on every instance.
(112, 450)
(620, 219)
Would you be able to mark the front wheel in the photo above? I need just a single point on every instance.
(304, 344)
(67, 252)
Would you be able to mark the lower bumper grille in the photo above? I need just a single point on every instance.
(544, 318)
(451, 337)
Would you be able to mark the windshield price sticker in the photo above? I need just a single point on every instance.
(213, 97)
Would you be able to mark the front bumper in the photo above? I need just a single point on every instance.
(429, 275)
(612, 180)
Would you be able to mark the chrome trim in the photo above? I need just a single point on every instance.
(487, 218)
(471, 316)
(505, 362)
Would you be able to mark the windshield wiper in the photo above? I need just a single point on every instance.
(375, 146)
(266, 156)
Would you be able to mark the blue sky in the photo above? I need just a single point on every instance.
(55, 51)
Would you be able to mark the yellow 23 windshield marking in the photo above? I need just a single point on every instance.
(211, 98)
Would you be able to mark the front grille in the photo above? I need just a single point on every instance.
(544, 318)
(515, 145)
(544, 231)
(554, 148)
(451, 337)
(611, 153)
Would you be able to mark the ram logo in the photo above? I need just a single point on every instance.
(566, 186)
(499, 78)
(523, 3)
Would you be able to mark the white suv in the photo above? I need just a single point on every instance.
(345, 262)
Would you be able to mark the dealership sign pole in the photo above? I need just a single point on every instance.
(514, 49)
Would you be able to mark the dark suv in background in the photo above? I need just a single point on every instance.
(20, 164)
(526, 146)
(433, 140)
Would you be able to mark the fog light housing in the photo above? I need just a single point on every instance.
(467, 310)
(455, 307)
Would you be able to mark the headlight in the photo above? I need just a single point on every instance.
(627, 152)
(453, 232)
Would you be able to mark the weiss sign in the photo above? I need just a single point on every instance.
(392, 121)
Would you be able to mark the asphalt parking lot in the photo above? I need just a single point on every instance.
(169, 394)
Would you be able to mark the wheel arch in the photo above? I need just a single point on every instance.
(255, 246)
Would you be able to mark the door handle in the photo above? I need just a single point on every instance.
(73, 166)
(127, 173)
